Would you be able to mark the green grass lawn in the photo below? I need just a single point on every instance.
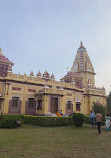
(54, 142)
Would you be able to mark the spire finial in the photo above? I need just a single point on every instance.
(81, 44)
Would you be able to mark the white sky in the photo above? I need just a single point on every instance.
(45, 35)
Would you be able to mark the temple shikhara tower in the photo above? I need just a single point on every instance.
(83, 66)
(42, 94)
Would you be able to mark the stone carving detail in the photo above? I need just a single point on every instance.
(10, 68)
(46, 75)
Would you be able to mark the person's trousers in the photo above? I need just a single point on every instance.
(92, 121)
(99, 127)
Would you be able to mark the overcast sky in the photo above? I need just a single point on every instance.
(45, 35)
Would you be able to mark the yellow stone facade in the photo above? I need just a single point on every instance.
(43, 95)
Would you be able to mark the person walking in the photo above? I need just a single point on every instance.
(107, 122)
(98, 121)
(92, 118)
(110, 122)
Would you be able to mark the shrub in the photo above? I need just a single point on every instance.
(1, 118)
(86, 119)
(78, 119)
(47, 121)
(10, 121)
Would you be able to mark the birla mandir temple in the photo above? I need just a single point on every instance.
(42, 94)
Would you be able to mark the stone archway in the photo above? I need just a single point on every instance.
(14, 105)
(30, 108)
(54, 105)
(69, 108)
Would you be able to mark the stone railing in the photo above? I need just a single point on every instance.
(40, 80)
(96, 90)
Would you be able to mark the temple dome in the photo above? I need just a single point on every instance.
(31, 74)
(46, 75)
(72, 73)
(39, 74)
(52, 77)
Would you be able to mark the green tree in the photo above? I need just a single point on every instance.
(99, 107)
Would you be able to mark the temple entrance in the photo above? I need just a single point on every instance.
(54, 105)
(14, 105)
(69, 108)
(30, 108)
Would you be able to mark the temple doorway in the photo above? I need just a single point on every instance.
(69, 108)
(30, 108)
(14, 105)
(54, 105)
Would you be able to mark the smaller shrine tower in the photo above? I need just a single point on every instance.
(5, 65)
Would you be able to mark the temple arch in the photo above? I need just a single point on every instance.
(30, 108)
(69, 107)
(15, 105)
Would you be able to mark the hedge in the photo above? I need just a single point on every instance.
(47, 121)
(10, 121)
(86, 119)
(2, 117)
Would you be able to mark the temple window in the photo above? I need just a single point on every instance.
(82, 66)
(86, 63)
(31, 102)
(15, 102)
(75, 67)
(89, 82)
(78, 65)
(97, 101)
(39, 105)
(69, 105)
(78, 108)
